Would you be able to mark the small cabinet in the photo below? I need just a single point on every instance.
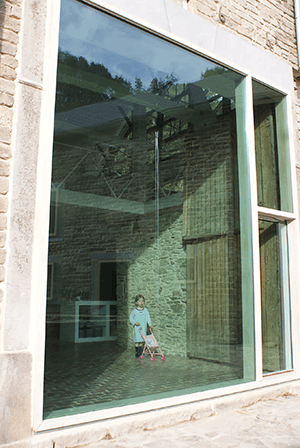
(89, 321)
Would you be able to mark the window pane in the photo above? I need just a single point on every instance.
(275, 297)
(145, 147)
(271, 148)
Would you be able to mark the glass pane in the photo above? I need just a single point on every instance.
(271, 148)
(146, 170)
(92, 321)
(53, 214)
(276, 344)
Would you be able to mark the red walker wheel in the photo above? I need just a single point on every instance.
(163, 358)
(142, 357)
(152, 358)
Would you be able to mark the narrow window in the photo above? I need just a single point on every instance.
(276, 346)
(273, 192)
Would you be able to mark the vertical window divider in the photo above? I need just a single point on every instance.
(251, 299)
(293, 236)
(255, 232)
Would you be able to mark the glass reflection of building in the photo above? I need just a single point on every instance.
(149, 196)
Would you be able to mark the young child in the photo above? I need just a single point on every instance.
(139, 318)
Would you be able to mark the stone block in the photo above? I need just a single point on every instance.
(285, 37)
(10, 23)
(241, 4)
(3, 209)
(15, 397)
(4, 185)
(204, 9)
(8, 48)
(16, 11)
(9, 36)
(16, 2)
(6, 99)
(2, 236)
(4, 167)
(5, 151)
(256, 19)
(265, 14)
(235, 18)
(7, 72)
(5, 134)
(2, 256)
(7, 86)
(2, 273)
(6, 116)
(286, 26)
(10, 61)
(261, 40)
(3, 221)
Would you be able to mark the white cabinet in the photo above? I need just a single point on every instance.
(88, 321)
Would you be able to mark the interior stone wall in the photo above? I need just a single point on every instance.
(159, 273)
(155, 248)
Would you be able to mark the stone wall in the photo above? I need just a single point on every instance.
(268, 23)
(10, 22)
(156, 269)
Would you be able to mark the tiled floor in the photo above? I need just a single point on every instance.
(90, 376)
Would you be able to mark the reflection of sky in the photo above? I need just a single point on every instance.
(122, 49)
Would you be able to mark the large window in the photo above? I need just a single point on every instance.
(150, 172)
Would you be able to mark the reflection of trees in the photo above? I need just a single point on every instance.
(165, 109)
(135, 116)
(157, 86)
(82, 83)
(212, 72)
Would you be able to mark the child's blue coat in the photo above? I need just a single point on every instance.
(143, 317)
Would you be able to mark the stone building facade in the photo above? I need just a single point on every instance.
(256, 39)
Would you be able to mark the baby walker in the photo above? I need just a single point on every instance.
(151, 347)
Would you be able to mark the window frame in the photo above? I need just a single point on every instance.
(281, 81)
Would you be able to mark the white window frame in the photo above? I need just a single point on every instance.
(167, 20)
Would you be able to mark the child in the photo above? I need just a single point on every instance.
(139, 318)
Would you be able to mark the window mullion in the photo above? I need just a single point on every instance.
(255, 231)
(248, 210)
